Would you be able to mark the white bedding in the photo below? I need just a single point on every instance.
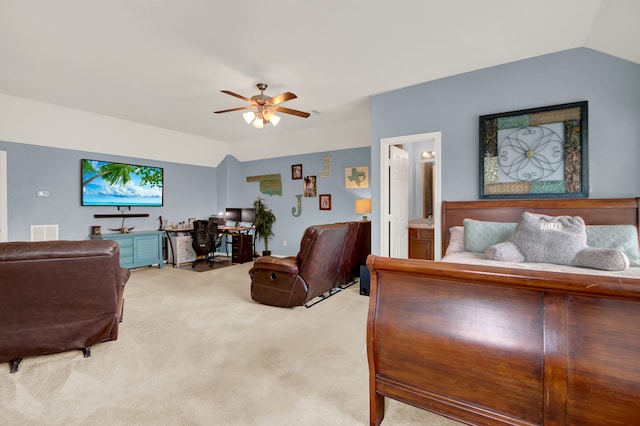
(479, 259)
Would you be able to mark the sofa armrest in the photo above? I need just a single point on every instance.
(286, 265)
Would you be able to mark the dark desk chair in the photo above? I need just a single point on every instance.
(206, 239)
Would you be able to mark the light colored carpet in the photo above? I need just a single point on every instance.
(194, 349)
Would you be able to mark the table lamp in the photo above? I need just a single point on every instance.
(363, 207)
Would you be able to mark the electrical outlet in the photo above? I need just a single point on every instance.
(42, 194)
(284, 243)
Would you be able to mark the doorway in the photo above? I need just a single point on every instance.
(387, 197)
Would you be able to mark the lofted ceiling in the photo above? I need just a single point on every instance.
(164, 62)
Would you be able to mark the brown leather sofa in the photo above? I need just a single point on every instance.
(58, 295)
(324, 262)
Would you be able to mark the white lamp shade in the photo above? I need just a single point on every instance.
(258, 123)
(249, 116)
(274, 120)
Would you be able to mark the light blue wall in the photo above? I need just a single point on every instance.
(288, 227)
(189, 191)
(453, 105)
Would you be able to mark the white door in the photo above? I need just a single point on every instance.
(398, 216)
(4, 223)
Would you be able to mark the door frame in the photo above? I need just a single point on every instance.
(436, 137)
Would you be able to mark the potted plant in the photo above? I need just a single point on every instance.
(264, 223)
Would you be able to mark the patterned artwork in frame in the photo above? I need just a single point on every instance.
(535, 153)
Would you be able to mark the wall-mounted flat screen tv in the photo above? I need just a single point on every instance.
(106, 183)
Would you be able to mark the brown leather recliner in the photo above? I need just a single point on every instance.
(58, 295)
(293, 281)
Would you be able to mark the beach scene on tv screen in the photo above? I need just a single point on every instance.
(117, 184)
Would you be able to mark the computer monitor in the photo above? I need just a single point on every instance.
(232, 215)
(248, 216)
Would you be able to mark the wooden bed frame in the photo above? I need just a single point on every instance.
(497, 346)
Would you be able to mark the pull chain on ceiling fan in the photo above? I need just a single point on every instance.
(265, 107)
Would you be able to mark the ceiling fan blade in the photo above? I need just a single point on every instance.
(282, 97)
(251, 101)
(234, 109)
(291, 111)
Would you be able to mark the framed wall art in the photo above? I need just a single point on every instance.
(325, 201)
(296, 171)
(535, 153)
(356, 177)
(309, 186)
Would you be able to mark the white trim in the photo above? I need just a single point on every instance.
(4, 222)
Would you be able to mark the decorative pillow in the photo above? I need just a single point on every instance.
(602, 258)
(620, 237)
(456, 239)
(542, 238)
(480, 235)
(561, 240)
(504, 252)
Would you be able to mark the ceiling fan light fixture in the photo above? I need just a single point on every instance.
(265, 107)
(249, 116)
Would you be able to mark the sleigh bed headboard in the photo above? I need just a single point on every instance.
(600, 211)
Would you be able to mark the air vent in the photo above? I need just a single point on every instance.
(44, 232)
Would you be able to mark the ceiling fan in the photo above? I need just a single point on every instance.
(265, 106)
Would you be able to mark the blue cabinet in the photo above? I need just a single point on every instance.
(137, 249)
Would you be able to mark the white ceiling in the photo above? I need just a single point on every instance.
(164, 62)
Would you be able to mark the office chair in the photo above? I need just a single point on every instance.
(205, 240)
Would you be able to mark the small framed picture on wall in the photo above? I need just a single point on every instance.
(325, 201)
(296, 171)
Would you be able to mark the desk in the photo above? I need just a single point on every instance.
(242, 244)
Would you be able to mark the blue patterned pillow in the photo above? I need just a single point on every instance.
(620, 237)
(480, 235)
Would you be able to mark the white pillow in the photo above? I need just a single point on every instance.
(456, 239)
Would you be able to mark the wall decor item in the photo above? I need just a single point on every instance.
(327, 167)
(325, 201)
(296, 171)
(309, 186)
(269, 184)
(356, 177)
(297, 211)
(535, 153)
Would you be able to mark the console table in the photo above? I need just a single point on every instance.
(142, 248)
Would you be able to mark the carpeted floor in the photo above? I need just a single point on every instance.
(194, 349)
(203, 266)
